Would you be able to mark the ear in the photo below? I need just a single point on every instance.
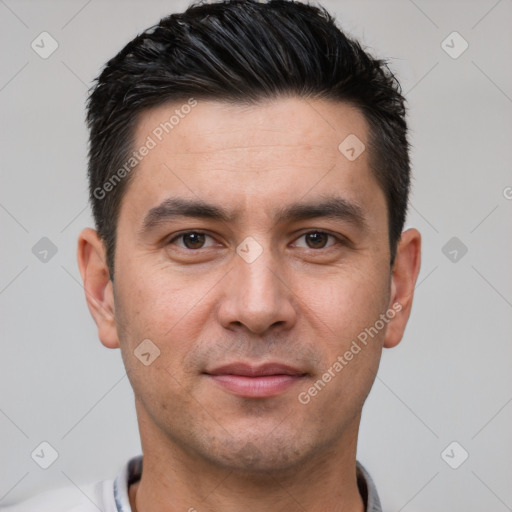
(98, 288)
(403, 280)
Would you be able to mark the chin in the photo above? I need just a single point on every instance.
(261, 454)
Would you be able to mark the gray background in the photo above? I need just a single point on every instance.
(449, 380)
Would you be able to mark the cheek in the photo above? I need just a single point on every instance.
(155, 302)
(171, 310)
(349, 306)
(167, 312)
(347, 301)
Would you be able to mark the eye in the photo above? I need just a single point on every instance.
(318, 240)
(192, 240)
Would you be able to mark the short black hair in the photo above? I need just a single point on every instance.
(242, 52)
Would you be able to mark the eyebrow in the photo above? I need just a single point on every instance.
(336, 208)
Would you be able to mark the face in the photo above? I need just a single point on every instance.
(253, 254)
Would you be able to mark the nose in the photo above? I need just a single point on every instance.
(257, 296)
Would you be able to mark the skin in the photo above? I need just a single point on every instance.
(301, 302)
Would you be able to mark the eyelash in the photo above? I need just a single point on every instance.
(338, 239)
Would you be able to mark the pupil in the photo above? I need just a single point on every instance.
(195, 239)
(317, 239)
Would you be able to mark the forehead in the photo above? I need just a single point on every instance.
(270, 128)
(273, 152)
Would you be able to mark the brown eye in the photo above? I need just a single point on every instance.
(316, 239)
(191, 240)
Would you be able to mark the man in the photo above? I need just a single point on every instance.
(249, 176)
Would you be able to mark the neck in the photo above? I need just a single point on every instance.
(173, 479)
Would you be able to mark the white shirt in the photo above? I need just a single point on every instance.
(112, 495)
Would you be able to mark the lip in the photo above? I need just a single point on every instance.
(261, 381)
